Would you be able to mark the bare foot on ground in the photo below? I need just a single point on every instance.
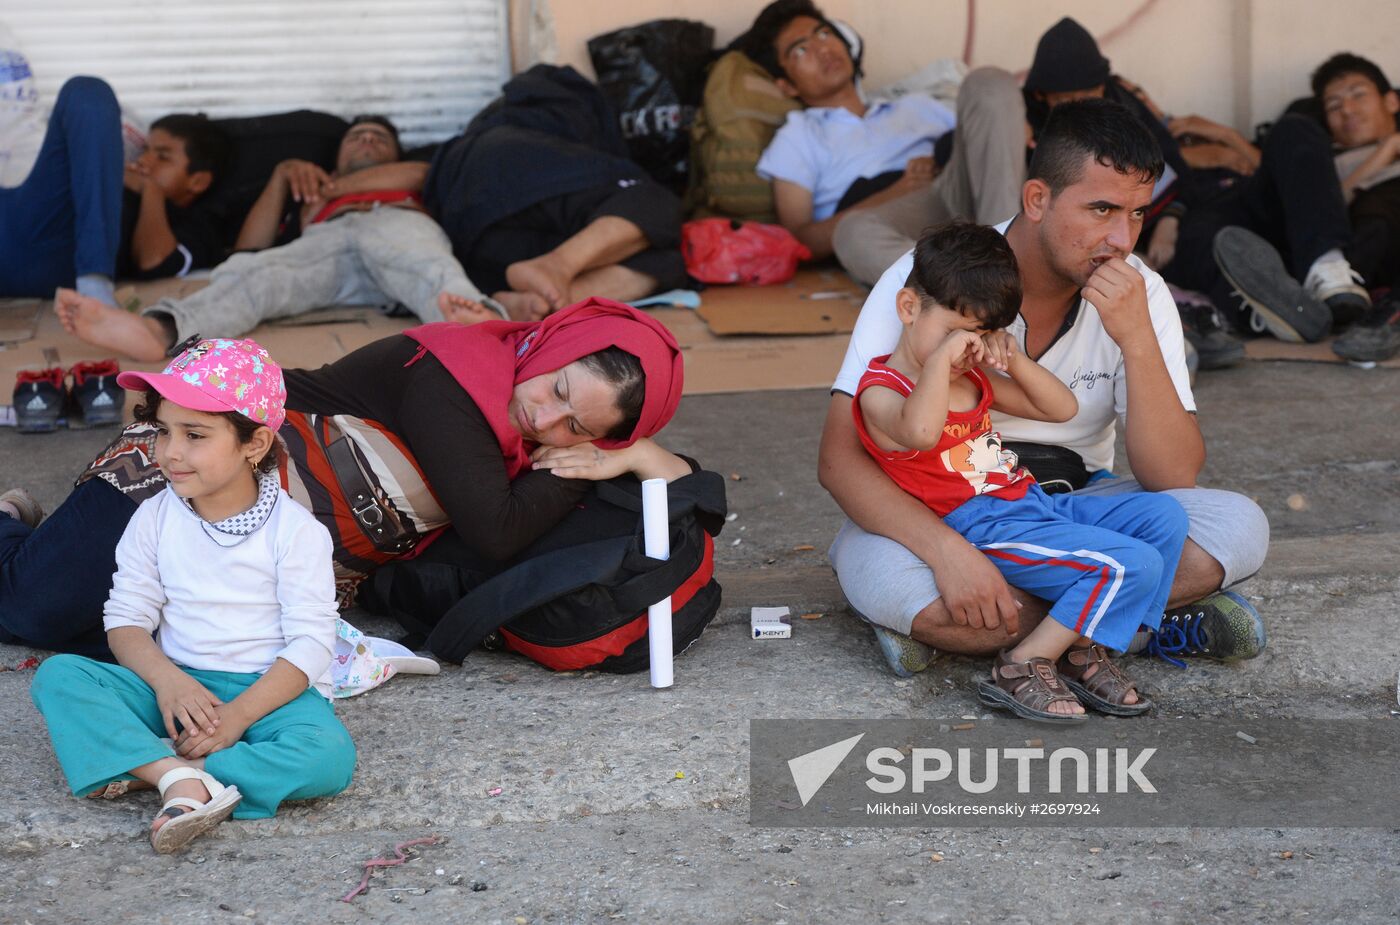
(545, 276)
(523, 306)
(107, 326)
(463, 310)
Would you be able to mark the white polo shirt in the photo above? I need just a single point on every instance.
(1084, 358)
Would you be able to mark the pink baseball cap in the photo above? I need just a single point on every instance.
(218, 375)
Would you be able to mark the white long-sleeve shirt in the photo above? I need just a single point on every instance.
(237, 607)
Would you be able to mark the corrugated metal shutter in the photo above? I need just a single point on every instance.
(428, 64)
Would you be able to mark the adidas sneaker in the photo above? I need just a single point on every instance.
(96, 399)
(38, 400)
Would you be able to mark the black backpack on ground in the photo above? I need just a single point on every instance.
(577, 597)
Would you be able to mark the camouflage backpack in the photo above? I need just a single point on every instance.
(742, 110)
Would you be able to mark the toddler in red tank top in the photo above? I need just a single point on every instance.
(924, 414)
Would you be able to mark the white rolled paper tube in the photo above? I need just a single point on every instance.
(656, 530)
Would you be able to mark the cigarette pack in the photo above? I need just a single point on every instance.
(770, 623)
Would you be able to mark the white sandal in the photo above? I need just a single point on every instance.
(184, 827)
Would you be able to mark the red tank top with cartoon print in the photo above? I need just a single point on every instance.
(968, 460)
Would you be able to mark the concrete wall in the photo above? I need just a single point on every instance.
(1236, 61)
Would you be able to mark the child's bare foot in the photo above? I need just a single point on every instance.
(462, 310)
(111, 328)
(523, 306)
(545, 276)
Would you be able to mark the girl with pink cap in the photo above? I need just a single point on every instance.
(222, 616)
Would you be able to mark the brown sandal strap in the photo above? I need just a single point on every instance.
(1108, 682)
(1033, 683)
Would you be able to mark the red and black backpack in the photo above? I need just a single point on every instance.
(577, 597)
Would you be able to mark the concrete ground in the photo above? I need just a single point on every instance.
(594, 821)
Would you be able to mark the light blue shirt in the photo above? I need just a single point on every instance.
(827, 149)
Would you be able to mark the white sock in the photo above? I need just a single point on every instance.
(1139, 641)
(97, 286)
(1334, 256)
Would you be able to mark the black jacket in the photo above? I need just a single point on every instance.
(550, 133)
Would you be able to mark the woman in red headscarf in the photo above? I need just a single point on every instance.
(492, 430)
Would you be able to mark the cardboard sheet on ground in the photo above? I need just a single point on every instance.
(812, 302)
(19, 318)
(777, 360)
(1267, 348)
(752, 364)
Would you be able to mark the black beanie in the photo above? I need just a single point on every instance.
(1067, 58)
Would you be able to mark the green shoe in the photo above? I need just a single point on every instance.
(905, 655)
(1223, 626)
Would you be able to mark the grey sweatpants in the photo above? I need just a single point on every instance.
(384, 256)
(981, 181)
(889, 585)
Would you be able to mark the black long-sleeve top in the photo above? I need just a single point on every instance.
(448, 436)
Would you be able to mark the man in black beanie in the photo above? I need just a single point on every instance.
(1067, 65)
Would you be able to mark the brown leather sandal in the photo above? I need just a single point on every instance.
(1105, 689)
(1027, 689)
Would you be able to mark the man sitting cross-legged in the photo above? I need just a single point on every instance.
(364, 239)
(1318, 224)
(1100, 320)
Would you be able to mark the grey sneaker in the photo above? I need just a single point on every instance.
(1375, 338)
(905, 655)
(1280, 304)
(1205, 331)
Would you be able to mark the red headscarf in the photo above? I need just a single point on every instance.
(490, 358)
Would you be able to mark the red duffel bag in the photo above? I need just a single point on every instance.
(721, 250)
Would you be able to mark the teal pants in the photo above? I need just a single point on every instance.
(104, 721)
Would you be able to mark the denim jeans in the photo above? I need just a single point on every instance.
(54, 580)
(64, 220)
